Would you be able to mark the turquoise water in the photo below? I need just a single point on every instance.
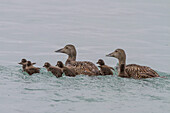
(34, 29)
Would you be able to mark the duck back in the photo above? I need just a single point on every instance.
(84, 67)
(106, 70)
(32, 70)
(137, 71)
(55, 71)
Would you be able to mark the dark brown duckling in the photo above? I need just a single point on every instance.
(24, 63)
(81, 67)
(67, 70)
(131, 70)
(104, 69)
(30, 69)
(53, 69)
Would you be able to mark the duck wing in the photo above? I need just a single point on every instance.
(73, 70)
(106, 70)
(69, 71)
(84, 67)
(32, 70)
(55, 71)
(137, 71)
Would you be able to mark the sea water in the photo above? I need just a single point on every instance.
(34, 29)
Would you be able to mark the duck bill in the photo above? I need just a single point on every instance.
(20, 63)
(33, 63)
(97, 62)
(60, 50)
(111, 55)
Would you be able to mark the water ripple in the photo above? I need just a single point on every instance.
(55, 92)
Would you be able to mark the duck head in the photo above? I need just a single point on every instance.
(47, 65)
(68, 49)
(29, 63)
(119, 54)
(60, 64)
(100, 62)
(23, 61)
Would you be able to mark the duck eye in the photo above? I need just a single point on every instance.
(66, 47)
(116, 51)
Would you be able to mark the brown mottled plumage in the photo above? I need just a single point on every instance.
(104, 69)
(24, 63)
(132, 70)
(30, 69)
(67, 70)
(53, 69)
(81, 67)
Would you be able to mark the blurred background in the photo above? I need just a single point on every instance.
(34, 29)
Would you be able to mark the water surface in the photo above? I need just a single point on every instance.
(34, 29)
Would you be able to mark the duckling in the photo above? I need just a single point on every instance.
(104, 69)
(81, 67)
(24, 63)
(53, 69)
(132, 70)
(30, 69)
(67, 70)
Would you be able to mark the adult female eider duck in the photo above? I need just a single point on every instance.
(81, 67)
(104, 69)
(53, 69)
(131, 70)
(68, 71)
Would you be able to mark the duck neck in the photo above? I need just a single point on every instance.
(122, 65)
(70, 58)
